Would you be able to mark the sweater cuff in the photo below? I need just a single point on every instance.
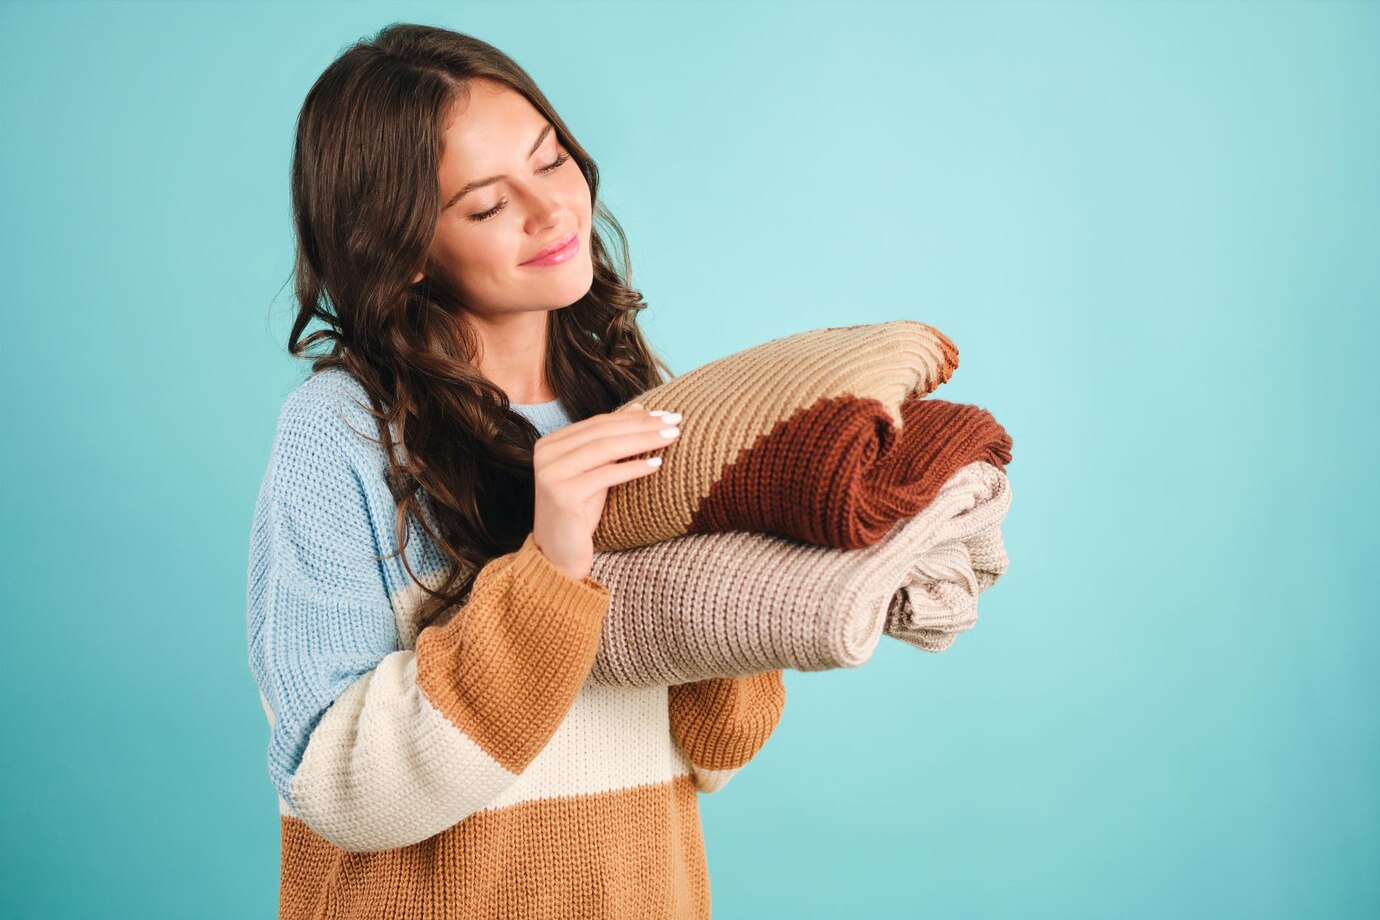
(721, 723)
(534, 570)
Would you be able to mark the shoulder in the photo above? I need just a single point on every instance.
(331, 409)
(321, 477)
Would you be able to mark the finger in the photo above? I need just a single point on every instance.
(564, 441)
(610, 474)
(603, 450)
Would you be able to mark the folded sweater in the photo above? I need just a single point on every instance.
(733, 603)
(824, 436)
(474, 769)
(814, 500)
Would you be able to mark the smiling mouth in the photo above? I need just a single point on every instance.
(555, 248)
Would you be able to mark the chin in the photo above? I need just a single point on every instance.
(576, 282)
(580, 277)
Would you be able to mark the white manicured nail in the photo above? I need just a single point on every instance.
(669, 432)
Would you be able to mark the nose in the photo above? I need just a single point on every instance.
(545, 210)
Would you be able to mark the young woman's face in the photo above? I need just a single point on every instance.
(540, 197)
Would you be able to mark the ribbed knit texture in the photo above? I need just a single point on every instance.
(736, 603)
(547, 416)
(475, 769)
(822, 436)
(814, 500)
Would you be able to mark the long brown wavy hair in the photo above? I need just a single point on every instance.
(366, 200)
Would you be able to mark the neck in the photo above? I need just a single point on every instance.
(512, 355)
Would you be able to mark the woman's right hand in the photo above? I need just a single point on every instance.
(573, 468)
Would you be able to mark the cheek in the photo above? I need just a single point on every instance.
(465, 248)
(574, 192)
(581, 193)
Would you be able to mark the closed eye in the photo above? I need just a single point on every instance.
(543, 171)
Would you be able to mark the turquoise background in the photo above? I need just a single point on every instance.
(1153, 231)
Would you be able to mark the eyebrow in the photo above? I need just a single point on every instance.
(480, 183)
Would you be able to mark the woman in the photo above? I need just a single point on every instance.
(421, 619)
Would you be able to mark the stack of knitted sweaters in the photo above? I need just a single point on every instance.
(538, 752)
(814, 501)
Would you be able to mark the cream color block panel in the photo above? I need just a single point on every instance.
(612, 738)
(385, 768)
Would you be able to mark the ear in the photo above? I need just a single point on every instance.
(418, 277)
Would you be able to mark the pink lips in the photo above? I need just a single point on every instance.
(560, 252)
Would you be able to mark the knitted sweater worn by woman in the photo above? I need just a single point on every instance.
(472, 769)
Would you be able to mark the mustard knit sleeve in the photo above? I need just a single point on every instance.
(722, 722)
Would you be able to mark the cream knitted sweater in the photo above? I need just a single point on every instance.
(474, 769)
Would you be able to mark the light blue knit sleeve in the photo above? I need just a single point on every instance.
(372, 744)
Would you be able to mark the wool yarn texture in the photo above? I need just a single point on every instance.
(870, 510)
(468, 769)
(802, 435)
(735, 603)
